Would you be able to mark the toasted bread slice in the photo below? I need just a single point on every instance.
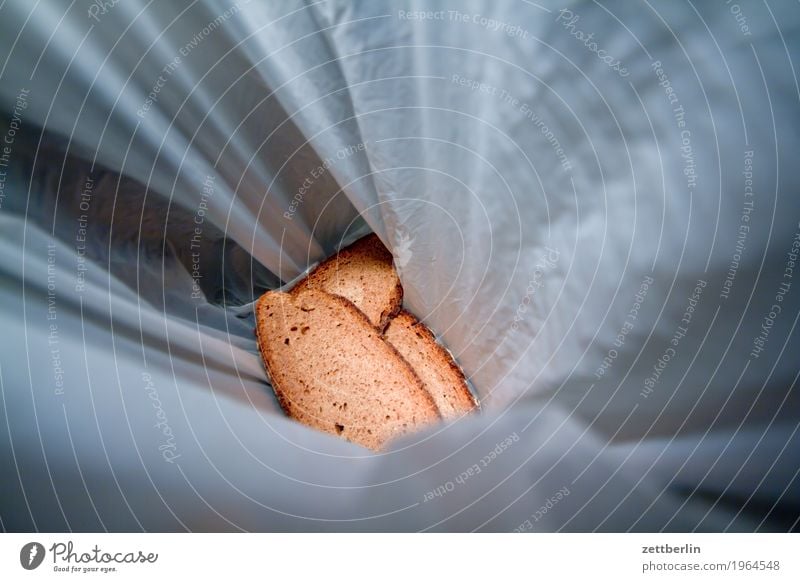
(439, 373)
(332, 370)
(364, 274)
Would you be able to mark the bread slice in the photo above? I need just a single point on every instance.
(364, 274)
(439, 373)
(332, 370)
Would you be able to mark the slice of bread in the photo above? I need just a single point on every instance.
(332, 370)
(439, 373)
(364, 274)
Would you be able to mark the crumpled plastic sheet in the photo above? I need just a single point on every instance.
(593, 205)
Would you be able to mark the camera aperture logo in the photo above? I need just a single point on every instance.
(31, 555)
(94, 560)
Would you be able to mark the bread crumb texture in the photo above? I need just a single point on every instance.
(332, 370)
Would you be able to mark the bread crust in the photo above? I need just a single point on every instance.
(458, 399)
(367, 249)
(384, 407)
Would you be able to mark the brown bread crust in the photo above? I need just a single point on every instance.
(435, 366)
(364, 274)
(331, 369)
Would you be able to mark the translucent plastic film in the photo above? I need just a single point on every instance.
(593, 205)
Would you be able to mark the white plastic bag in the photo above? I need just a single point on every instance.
(554, 215)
